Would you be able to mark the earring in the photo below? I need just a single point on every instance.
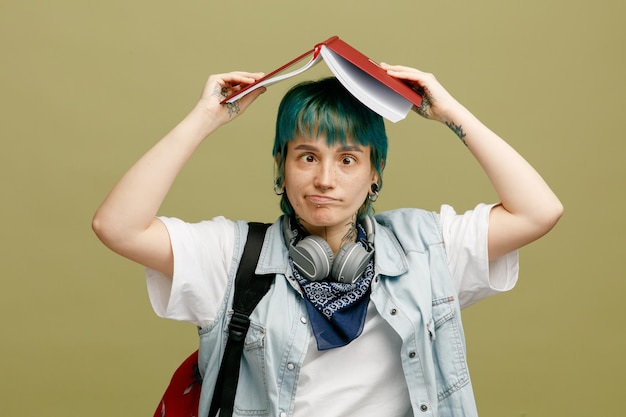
(374, 195)
(278, 190)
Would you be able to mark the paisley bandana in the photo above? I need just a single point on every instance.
(337, 310)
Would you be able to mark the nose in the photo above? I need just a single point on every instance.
(325, 177)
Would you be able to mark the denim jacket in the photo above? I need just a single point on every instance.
(412, 291)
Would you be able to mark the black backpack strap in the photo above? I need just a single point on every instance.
(249, 289)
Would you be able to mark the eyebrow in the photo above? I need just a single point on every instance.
(343, 148)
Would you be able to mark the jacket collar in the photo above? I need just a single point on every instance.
(389, 256)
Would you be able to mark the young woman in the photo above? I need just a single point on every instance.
(363, 317)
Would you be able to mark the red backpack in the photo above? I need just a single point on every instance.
(182, 396)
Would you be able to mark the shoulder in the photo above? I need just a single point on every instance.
(406, 216)
(218, 231)
(432, 227)
(411, 224)
(217, 224)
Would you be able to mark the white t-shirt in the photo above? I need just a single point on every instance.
(197, 290)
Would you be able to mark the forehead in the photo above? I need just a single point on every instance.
(320, 142)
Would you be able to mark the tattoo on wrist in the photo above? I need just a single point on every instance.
(458, 130)
(221, 93)
(427, 102)
(233, 108)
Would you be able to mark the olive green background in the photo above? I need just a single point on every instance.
(87, 87)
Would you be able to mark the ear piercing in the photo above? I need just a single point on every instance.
(278, 189)
(374, 195)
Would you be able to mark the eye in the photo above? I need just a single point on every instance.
(348, 160)
(307, 157)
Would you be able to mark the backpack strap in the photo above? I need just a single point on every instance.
(249, 289)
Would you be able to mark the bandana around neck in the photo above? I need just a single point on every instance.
(336, 310)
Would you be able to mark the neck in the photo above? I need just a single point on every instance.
(336, 236)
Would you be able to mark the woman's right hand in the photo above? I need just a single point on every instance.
(220, 86)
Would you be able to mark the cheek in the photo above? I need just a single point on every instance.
(362, 184)
(291, 181)
(361, 191)
(291, 196)
(292, 189)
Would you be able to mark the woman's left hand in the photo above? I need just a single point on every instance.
(436, 101)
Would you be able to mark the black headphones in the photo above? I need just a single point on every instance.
(314, 259)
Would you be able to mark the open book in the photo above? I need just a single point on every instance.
(368, 82)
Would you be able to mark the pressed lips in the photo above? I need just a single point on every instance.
(320, 199)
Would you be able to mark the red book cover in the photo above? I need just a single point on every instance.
(349, 53)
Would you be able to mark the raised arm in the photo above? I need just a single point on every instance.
(125, 221)
(528, 208)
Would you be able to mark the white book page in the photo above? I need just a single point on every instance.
(276, 78)
(371, 92)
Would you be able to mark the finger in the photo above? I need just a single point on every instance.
(404, 72)
(399, 68)
(240, 77)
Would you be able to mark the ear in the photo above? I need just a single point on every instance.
(375, 172)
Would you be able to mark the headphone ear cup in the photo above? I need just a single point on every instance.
(313, 257)
(351, 261)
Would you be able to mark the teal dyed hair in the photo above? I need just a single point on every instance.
(325, 107)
